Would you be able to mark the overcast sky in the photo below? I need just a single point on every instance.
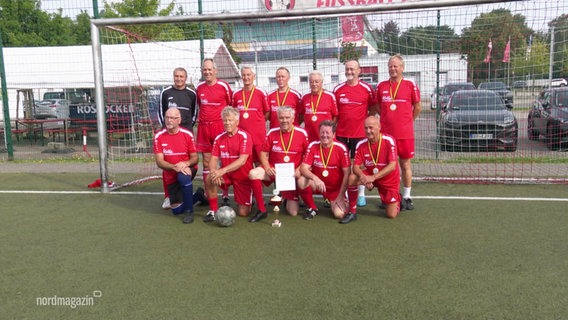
(537, 12)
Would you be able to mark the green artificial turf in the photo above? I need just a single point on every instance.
(448, 259)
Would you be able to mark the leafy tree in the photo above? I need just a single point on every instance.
(498, 25)
(349, 51)
(388, 38)
(423, 40)
(560, 25)
(139, 8)
(228, 39)
(22, 23)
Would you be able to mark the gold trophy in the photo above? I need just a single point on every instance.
(276, 201)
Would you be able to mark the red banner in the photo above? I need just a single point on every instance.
(353, 28)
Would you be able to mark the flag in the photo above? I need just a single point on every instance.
(507, 53)
(489, 48)
(353, 28)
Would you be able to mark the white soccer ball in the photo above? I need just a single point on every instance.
(225, 216)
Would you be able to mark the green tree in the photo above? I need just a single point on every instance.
(423, 40)
(349, 51)
(498, 25)
(22, 23)
(387, 38)
(139, 8)
(560, 25)
(228, 39)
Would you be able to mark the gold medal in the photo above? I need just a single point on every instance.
(247, 103)
(325, 173)
(393, 107)
(286, 159)
(393, 96)
(375, 170)
(314, 118)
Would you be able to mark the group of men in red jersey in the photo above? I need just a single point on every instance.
(342, 149)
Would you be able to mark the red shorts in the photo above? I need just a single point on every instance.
(256, 152)
(206, 134)
(405, 148)
(389, 194)
(329, 194)
(242, 189)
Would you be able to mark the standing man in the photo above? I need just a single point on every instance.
(233, 148)
(175, 154)
(252, 103)
(286, 144)
(375, 165)
(183, 98)
(213, 95)
(399, 105)
(355, 99)
(317, 106)
(325, 169)
(283, 96)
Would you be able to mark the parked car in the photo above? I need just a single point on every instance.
(559, 82)
(549, 117)
(520, 84)
(52, 108)
(434, 97)
(501, 89)
(477, 119)
(452, 87)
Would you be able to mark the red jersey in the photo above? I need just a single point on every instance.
(212, 99)
(295, 141)
(353, 104)
(255, 122)
(323, 107)
(336, 158)
(175, 147)
(228, 149)
(366, 155)
(278, 99)
(396, 116)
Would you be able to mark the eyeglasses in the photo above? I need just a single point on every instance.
(172, 118)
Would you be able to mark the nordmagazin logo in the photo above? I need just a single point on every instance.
(71, 302)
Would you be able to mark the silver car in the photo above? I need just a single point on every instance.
(52, 108)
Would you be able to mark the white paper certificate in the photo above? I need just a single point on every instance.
(285, 180)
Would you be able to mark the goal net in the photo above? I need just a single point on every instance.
(514, 43)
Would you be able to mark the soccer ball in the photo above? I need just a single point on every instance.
(225, 216)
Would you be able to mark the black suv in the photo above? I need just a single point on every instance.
(501, 88)
(549, 117)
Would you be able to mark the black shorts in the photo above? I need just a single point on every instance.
(351, 144)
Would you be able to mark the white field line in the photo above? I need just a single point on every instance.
(268, 195)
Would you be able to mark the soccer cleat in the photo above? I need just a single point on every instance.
(382, 206)
(348, 218)
(188, 217)
(361, 201)
(226, 201)
(258, 216)
(199, 197)
(209, 217)
(166, 204)
(326, 203)
(406, 204)
(310, 214)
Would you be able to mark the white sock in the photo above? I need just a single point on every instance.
(406, 192)
(361, 190)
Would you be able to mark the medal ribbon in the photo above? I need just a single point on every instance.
(378, 149)
(289, 142)
(246, 105)
(328, 155)
(314, 110)
(278, 97)
(393, 97)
